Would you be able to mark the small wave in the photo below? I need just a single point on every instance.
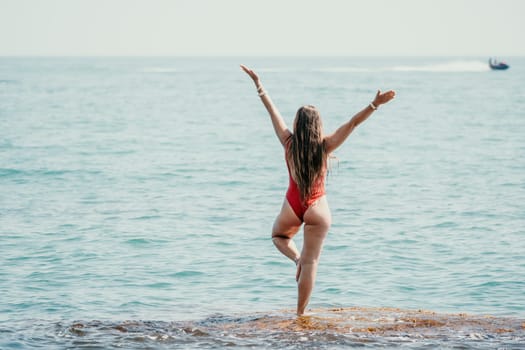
(344, 70)
(144, 241)
(146, 217)
(10, 172)
(277, 70)
(5, 172)
(186, 273)
(138, 241)
(160, 70)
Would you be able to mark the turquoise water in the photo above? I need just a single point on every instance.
(146, 188)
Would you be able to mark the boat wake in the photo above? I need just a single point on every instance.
(453, 66)
(442, 67)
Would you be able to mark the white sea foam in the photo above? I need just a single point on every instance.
(452, 66)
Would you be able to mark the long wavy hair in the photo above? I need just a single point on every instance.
(307, 155)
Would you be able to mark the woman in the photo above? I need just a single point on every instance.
(306, 154)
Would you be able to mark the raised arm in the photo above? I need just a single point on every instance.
(281, 130)
(339, 136)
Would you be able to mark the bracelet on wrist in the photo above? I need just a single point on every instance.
(373, 106)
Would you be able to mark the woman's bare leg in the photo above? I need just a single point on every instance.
(317, 221)
(286, 226)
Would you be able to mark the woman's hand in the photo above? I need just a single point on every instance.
(382, 98)
(252, 75)
(281, 130)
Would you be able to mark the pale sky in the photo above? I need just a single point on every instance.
(263, 27)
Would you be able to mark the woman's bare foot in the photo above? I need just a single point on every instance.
(305, 314)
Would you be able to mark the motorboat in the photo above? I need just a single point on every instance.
(497, 65)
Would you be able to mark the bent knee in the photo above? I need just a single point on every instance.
(284, 232)
(278, 238)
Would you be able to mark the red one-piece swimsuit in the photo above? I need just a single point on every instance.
(293, 195)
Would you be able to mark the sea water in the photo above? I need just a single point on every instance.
(137, 197)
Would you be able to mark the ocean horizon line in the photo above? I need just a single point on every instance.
(215, 56)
